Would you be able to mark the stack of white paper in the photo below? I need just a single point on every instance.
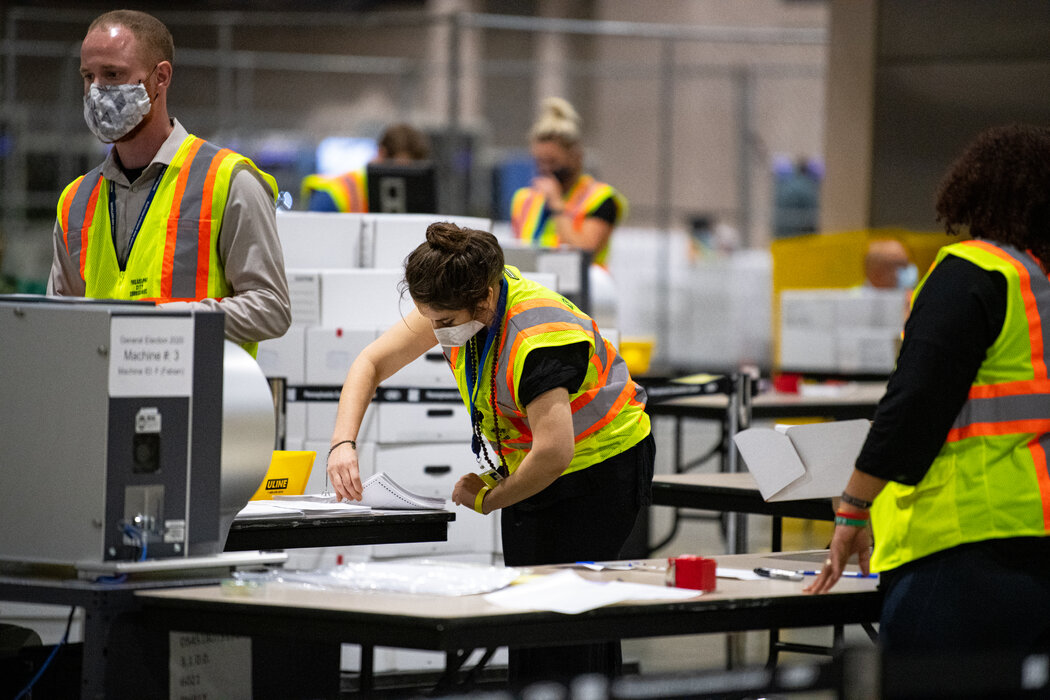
(290, 507)
(382, 492)
(379, 492)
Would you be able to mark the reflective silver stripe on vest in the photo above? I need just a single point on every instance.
(1026, 406)
(1000, 409)
(184, 271)
(1040, 286)
(78, 211)
(600, 405)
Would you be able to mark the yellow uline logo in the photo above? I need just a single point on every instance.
(272, 484)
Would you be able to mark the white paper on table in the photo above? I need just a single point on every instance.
(266, 509)
(312, 507)
(286, 508)
(742, 574)
(568, 593)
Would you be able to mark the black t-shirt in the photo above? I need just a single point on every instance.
(955, 319)
(549, 368)
(607, 211)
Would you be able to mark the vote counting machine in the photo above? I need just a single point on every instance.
(130, 435)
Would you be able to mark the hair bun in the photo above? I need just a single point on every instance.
(557, 120)
(447, 238)
(559, 108)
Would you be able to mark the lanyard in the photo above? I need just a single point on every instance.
(142, 214)
(474, 383)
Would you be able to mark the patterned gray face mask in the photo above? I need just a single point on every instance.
(111, 111)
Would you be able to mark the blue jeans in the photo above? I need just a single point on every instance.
(991, 596)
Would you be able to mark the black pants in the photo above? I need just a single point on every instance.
(583, 516)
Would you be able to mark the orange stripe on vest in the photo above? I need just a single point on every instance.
(65, 210)
(168, 266)
(204, 229)
(1029, 425)
(1035, 332)
(86, 227)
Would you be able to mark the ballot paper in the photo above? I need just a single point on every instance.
(381, 492)
(567, 592)
(290, 507)
(796, 462)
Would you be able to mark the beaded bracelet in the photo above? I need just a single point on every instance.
(479, 499)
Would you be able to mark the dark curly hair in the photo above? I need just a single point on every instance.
(454, 268)
(999, 189)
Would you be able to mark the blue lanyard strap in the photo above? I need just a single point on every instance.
(142, 214)
(474, 382)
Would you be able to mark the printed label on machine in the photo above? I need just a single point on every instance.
(150, 356)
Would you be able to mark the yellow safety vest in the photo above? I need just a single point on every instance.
(176, 254)
(529, 223)
(990, 478)
(608, 410)
(349, 191)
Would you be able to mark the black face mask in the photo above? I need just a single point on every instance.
(564, 176)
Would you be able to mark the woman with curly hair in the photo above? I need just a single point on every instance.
(954, 472)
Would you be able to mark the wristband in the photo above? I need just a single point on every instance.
(854, 501)
(850, 522)
(331, 449)
(479, 499)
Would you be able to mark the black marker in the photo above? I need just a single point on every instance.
(785, 574)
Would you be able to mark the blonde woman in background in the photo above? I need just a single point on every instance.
(565, 206)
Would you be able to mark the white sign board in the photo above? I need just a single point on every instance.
(150, 356)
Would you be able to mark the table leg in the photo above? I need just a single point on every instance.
(736, 650)
(368, 677)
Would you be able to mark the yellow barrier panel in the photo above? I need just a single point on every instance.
(836, 261)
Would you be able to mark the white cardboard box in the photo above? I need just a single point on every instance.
(304, 291)
(362, 299)
(429, 370)
(389, 238)
(320, 421)
(320, 240)
(284, 356)
(330, 352)
(432, 470)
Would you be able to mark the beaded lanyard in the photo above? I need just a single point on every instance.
(476, 419)
(477, 439)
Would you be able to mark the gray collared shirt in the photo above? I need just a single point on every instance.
(250, 251)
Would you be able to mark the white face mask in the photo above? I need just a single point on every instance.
(457, 336)
(907, 277)
(111, 111)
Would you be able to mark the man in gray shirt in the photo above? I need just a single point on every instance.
(167, 217)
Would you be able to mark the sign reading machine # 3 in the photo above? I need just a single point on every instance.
(150, 356)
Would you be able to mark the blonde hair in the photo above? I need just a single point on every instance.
(558, 121)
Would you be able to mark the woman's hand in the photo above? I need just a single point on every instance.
(343, 472)
(466, 491)
(550, 188)
(846, 541)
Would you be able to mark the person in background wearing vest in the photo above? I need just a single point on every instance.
(559, 427)
(167, 217)
(564, 206)
(348, 192)
(954, 472)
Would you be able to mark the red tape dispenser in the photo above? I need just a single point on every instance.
(691, 571)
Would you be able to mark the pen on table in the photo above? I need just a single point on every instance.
(846, 574)
(785, 574)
